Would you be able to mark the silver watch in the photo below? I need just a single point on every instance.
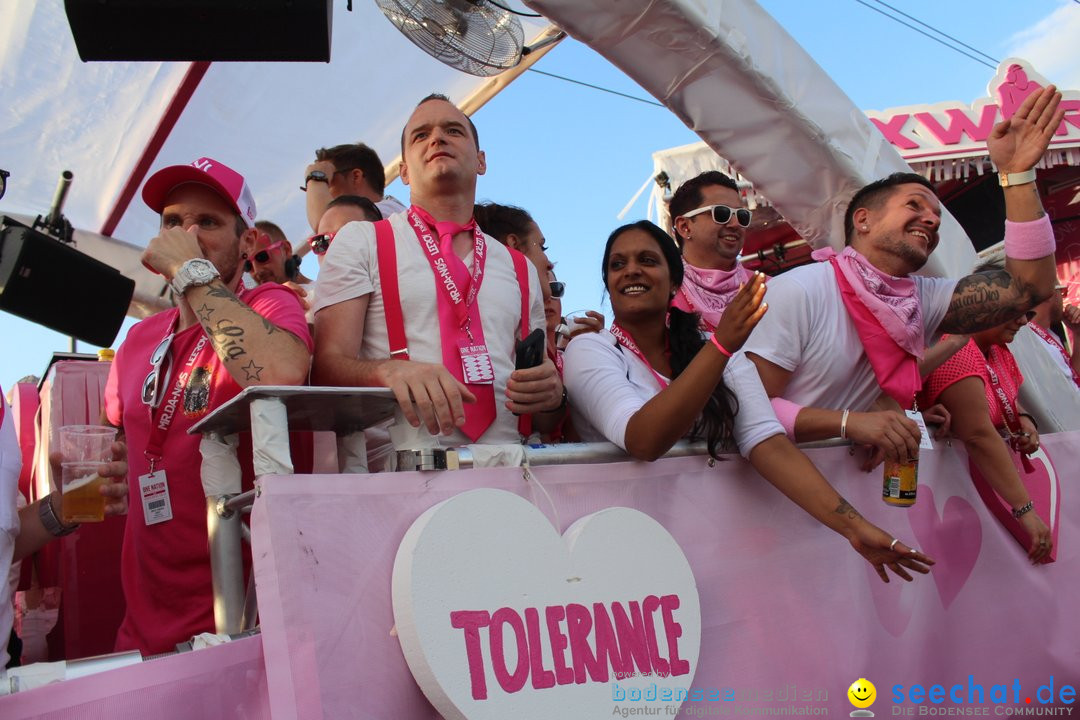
(197, 271)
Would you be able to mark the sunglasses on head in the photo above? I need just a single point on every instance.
(321, 243)
(558, 288)
(721, 214)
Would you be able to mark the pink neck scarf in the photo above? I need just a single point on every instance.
(708, 292)
(893, 301)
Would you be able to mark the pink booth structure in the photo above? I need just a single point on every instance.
(790, 615)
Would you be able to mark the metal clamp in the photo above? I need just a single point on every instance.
(427, 459)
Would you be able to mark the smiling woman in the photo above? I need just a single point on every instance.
(653, 379)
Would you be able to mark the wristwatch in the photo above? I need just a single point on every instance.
(1013, 179)
(52, 523)
(317, 176)
(197, 271)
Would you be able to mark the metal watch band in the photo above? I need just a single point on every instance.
(51, 522)
(1023, 510)
(1014, 179)
(194, 272)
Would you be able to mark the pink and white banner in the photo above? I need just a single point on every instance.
(791, 616)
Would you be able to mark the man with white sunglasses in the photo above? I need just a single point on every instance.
(710, 221)
(175, 367)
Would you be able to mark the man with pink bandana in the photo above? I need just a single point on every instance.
(710, 222)
(841, 332)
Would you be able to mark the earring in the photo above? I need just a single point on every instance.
(864, 228)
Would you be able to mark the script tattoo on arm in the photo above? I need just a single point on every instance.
(985, 299)
(228, 339)
(845, 508)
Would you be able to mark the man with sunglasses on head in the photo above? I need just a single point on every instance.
(341, 211)
(175, 367)
(710, 224)
(351, 169)
(839, 348)
(428, 305)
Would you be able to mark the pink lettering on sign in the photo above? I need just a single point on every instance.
(959, 123)
(599, 642)
(892, 128)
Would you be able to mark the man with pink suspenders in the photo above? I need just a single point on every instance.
(426, 304)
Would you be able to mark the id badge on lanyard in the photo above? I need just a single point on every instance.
(476, 365)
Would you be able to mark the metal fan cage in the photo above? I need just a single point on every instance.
(470, 35)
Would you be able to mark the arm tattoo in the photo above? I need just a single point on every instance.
(252, 372)
(985, 299)
(845, 508)
(228, 338)
(204, 313)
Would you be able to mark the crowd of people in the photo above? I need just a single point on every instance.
(433, 300)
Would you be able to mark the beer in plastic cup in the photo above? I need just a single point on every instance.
(80, 486)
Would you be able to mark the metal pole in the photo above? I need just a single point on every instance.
(226, 565)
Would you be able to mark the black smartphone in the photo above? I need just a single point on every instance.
(530, 351)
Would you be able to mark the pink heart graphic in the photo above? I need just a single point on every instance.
(954, 540)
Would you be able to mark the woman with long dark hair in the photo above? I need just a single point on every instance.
(653, 379)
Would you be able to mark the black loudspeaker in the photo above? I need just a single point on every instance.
(52, 284)
(213, 30)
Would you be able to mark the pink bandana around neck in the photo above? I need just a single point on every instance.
(893, 301)
(708, 292)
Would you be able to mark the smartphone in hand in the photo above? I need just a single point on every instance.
(530, 351)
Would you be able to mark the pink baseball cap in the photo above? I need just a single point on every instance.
(217, 176)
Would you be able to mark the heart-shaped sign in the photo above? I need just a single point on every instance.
(499, 617)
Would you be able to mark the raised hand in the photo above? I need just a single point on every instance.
(742, 315)
(1018, 143)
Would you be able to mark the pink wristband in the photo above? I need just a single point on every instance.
(786, 412)
(1029, 240)
(719, 347)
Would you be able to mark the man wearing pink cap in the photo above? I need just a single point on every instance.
(428, 305)
(175, 367)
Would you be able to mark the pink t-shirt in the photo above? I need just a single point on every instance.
(969, 362)
(165, 568)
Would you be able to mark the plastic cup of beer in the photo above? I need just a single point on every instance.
(80, 486)
(578, 321)
(86, 443)
(83, 449)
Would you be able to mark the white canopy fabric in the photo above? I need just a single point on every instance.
(95, 119)
(758, 99)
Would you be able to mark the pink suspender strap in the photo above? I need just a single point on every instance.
(521, 269)
(388, 280)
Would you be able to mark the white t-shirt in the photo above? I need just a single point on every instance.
(351, 270)
(606, 384)
(10, 466)
(1056, 356)
(390, 205)
(808, 331)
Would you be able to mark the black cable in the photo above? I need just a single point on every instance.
(514, 12)
(596, 87)
(939, 32)
(923, 32)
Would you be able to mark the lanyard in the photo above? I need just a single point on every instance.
(627, 342)
(1051, 340)
(161, 418)
(439, 265)
(1011, 420)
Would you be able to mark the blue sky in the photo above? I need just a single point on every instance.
(574, 156)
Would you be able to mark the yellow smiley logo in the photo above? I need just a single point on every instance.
(862, 693)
